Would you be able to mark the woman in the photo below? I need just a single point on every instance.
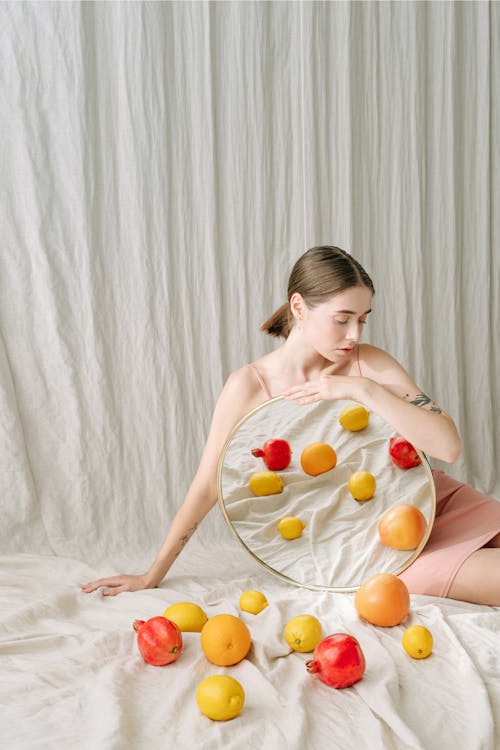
(329, 299)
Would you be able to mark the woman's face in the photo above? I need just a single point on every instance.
(333, 328)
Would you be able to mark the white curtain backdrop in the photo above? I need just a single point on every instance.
(162, 167)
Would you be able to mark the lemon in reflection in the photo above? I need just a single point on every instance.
(291, 527)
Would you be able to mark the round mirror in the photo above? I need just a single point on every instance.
(339, 546)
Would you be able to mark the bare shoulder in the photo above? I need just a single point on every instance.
(241, 392)
(375, 361)
(383, 368)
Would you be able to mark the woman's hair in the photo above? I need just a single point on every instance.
(317, 275)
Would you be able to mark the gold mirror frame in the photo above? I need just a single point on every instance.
(307, 585)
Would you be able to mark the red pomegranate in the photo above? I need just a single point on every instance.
(403, 453)
(338, 661)
(159, 640)
(276, 454)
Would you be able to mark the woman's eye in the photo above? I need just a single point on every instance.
(342, 322)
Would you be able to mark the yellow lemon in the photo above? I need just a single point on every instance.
(291, 527)
(303, 633)
(189, 617)
(253, 602)
(266, 483)
(220, 697)
(354, 418)
(361, 485)
(417, 641)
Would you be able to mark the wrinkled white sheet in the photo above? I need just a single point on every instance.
(340, 545)
(71, 675)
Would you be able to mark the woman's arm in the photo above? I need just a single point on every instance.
(388, 390)
(237, 398)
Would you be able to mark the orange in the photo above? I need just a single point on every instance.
(383, 600)
(316, 458)
(225, 640)
(402, 527)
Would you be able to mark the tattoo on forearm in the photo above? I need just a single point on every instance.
(185, 539)
(422, 400)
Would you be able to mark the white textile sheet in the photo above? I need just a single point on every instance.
(71, 674)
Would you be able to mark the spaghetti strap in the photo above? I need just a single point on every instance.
(261, 381)
(357, 357)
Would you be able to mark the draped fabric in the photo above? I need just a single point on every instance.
(163, 165)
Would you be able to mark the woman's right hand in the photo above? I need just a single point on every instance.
(117, 584)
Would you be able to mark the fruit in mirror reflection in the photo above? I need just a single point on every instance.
(291, 527)
(383, 600)
(265, 483)
(316, 458)
(354, 418)
(362, 485)
(275, 453)
(403, 453)
(338, 661)
(402, 527)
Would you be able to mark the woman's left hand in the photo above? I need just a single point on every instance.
(326, 387)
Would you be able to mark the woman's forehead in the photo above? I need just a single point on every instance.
(356, 300)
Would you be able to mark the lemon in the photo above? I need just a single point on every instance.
(417, 641)
(303, 633)
(220, 697)
(291, 527)
(354, 418)
(361, 485)
(266, 483)
(253, 602)
(189, 617)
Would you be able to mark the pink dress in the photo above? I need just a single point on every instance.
(465, 521)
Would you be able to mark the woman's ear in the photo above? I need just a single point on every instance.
(297, 305)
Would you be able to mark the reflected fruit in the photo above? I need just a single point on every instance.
(402, 527)
(354, 418)
(316, 458)
(265, 483)
(291, 527)
(275, 453)
(362, 485)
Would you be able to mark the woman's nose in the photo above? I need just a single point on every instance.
(354, 332)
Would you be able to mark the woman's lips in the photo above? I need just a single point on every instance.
(346, 351)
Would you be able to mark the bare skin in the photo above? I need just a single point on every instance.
(317, 361)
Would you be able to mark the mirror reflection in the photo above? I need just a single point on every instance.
(336, 542)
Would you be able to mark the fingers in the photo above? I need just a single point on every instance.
(114, 591)
(88, 588)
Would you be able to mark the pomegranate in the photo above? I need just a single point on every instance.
(338, 661)
(159, 640)
(276, 454)
(403, 453)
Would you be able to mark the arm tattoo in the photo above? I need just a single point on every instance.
(185, 539)
(422, 400)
